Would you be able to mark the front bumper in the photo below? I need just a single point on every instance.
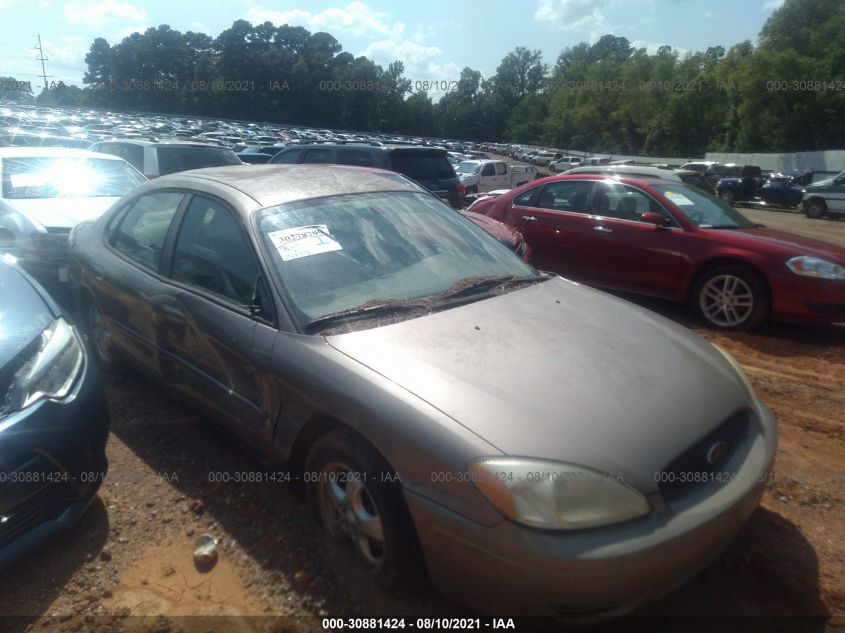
(511, 570)
(52, 461)
(808, 300)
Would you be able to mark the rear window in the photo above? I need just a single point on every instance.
(422, 166)
(174, 159)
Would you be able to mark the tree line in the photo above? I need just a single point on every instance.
(786, 93)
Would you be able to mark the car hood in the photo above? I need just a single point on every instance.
(827, 182)
(62, 212)
(562, 372)
(789, 244)
(500, 231)
(21, 319)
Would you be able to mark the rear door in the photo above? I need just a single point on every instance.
(126, 289)
(554, 220)
(213, 348)
(835, 197)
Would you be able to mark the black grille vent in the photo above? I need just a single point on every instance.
(693, 468)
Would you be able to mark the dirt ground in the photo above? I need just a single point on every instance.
(128, 564)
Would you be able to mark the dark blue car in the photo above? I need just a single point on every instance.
(53, 417)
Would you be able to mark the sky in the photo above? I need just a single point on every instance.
(435, 39)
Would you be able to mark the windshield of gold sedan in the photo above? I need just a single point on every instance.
(703, 209)
(342, 252)
(59, 177)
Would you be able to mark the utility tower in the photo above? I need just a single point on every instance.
(42, 59)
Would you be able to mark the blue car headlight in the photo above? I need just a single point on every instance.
(51, 371)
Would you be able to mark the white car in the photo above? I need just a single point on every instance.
(562, 164)
(46, 191)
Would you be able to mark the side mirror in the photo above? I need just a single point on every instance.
(652, 217)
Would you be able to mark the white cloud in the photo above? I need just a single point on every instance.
(356, 18)
(98, 13)
(421, 61)
(772, 5)
(651, 47)
(199, 27)
(129, 30)
(575, 15)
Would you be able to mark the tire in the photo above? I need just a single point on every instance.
(553, 169)
(731, 297)
(99, 339)
(472, 189)
(727, 196)
(815, 209)
(344, 504)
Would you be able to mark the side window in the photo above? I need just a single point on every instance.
(287, 157)
(213, 253)
(134, 155)
(318, 155)
(525, 199)
(614, 200)
(488, 170)
(566, 195)
(501, 169)
(355, 157)
(140, 234)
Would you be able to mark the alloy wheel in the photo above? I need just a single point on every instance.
(726, 300)
(348, 511)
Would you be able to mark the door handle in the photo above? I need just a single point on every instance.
(530, 218)
(602, 229)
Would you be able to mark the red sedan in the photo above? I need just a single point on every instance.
(674, 241)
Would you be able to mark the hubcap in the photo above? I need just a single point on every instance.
(100, 333)
(726, 300)
(349, 513)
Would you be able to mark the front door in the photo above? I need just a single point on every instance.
(211, 346)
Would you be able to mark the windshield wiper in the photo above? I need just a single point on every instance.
(366, 311)
(476, 285)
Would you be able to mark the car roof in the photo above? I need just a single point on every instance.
(271, 185)
(623, 178)
(145, 143)
(628, 170)
(52, 152)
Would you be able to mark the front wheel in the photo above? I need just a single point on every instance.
(727, 196)
(472, 189)
(358, 500)
(815, 209)
(731, 298)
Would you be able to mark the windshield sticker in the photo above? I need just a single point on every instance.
(678, 198)
(303, 241)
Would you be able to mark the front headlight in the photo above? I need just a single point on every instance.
(809, 266)
(737, 368)
(555, 495)
(51, 371)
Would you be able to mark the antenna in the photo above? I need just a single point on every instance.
(42, 59)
